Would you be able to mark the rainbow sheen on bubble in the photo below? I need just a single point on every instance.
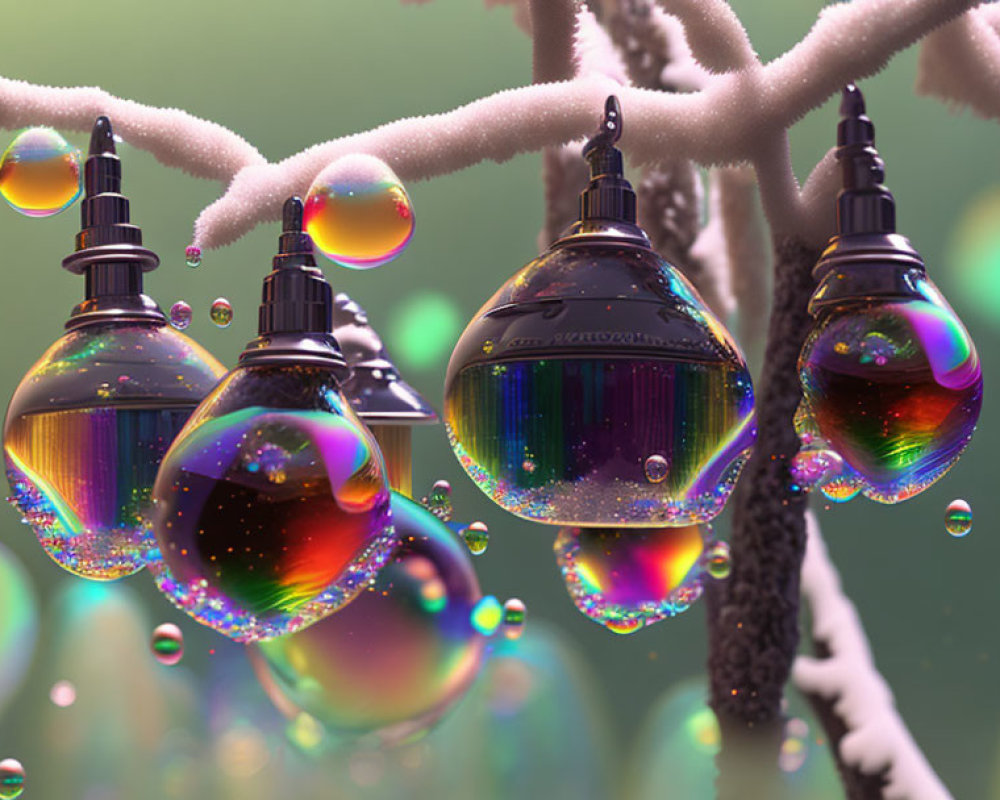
(221, 313)
(476, 537)
(40, 173)
(895, 390)
(718, 560)
(812, 465)
(358, 212)
(592, 426)
(270, 516)
(395, 660)
(487, 615)
(627, 579)
(11, 779)
(180, 315)
(167, 644)
(958, 518)
(85, 433)
(192, 256)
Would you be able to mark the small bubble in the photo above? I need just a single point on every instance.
(438, 501)
(180, 315)
(487, 615)
(513, 618)
(222, 313)
(958, 518)
(717, 560)
(488, 346)
(656, 468)
(477, 537)
(168, 644)
(62, 694)
(40, 173)
(192, 256)
(528, 466)
(11, 779)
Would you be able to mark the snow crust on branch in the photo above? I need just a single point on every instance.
(876, 738)
(714, 33)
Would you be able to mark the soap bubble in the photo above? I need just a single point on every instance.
(438, 501)
(358, 213)
(477, 537)
(180, 315)
(627, 578)
(62, 694)
(958, 518)
(717, 561)
(513, 618)
(656, 468)
(40, 173)
(487, 615)
(221, 313)
(399, 656)
(11, 779)
(192, 256)
(168, 644)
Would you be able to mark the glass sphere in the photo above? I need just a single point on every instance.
(272, 505)
(895, 389)
(627, 579)
(85, 432)
(596, 388)
(398, 657)
(40, 173)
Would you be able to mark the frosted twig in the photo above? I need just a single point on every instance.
(960, 62)
(714, 33)
(877, 740)
(553, 23)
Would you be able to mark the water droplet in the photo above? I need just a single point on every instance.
(477, 537)
(192, 256)
(656, 468)
(222, 313)
(358, 213)
(62, 694)
(180, 315)
(40, 173)
(958, 518)
(11, 779)
(513, 618)
(487, 615)
(717, 560)
(438, 501)
(168, 643)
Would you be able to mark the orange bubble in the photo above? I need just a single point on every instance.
(40, 173)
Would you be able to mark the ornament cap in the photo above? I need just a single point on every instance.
(109, 249)
(296, 310)
(607, 205)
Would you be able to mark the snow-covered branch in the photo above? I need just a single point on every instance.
(553, 23)
(877, 740)
(714, 33)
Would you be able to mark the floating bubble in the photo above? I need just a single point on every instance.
(62, 694)
(221, 312)
(394, 660)
(40, 173)
(423, 328)
(11, 779)
(438, 501)
(895, 390)
(487, 615)
(625, 579)
(812, 466)
(958, 518)
(656, 468)
(180, 315)
(513, 618)
(477, 537)
(270, 518)
(358, 213)
(717, 560)
(168, 644)
(192, 256)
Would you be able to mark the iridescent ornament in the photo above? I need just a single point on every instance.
(180, 315)
(626, 579)
(11, 779)
(890, 377)
(88, 424)
(192, 256)
(514, 612)
(167, 644)
(595, 358)
(358, 213)
(477, 537)
(958, 518)
(40, 173)
(272, 503)
(393, 662)
(221, 312)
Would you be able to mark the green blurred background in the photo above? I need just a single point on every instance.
(291, 74)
